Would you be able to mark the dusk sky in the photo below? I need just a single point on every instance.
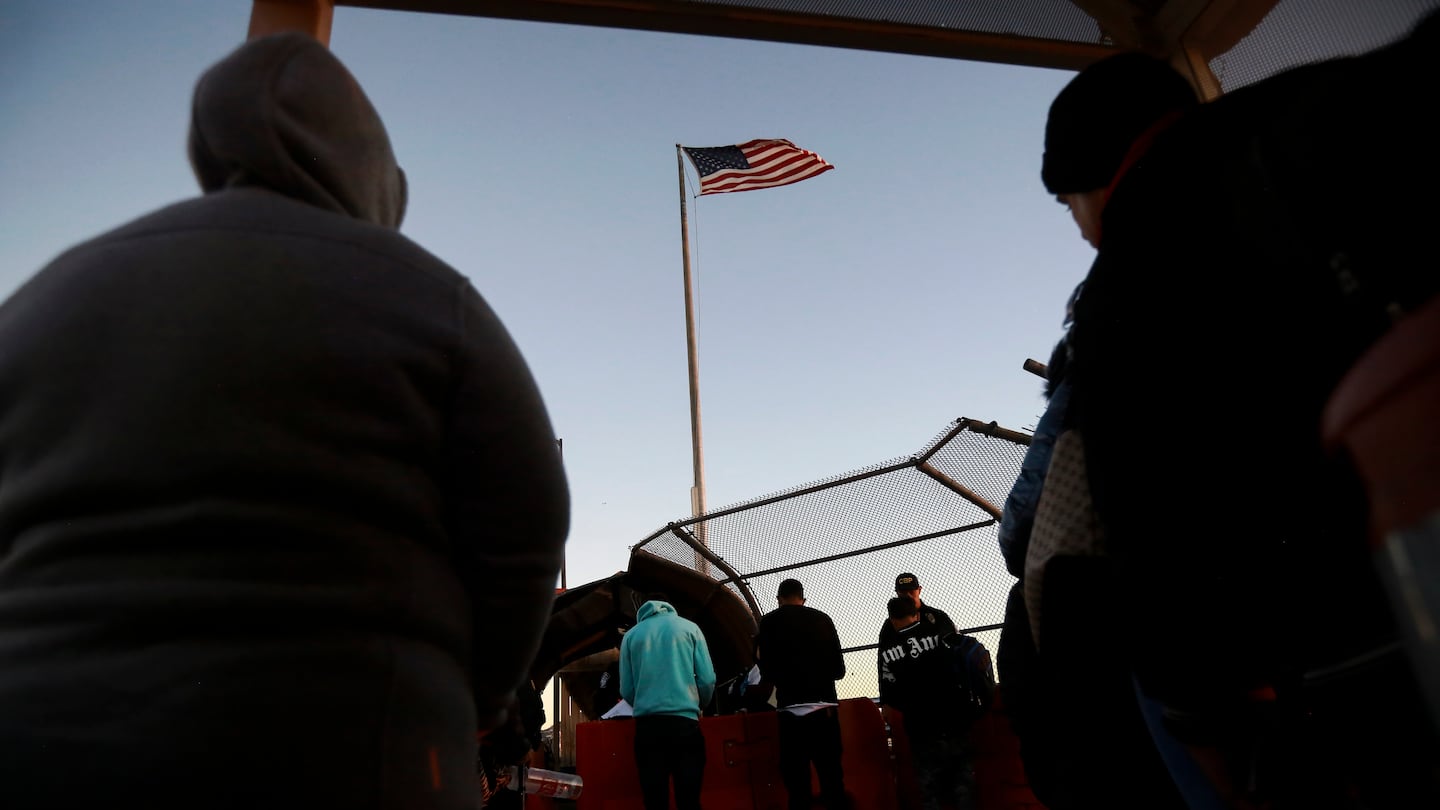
(843, 320)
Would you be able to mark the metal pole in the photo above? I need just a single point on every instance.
(557, 724)
(564, 554)
(697, 492)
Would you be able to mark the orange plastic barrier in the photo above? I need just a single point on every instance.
(999, 775)
(537, 760)
(995, 751)
(866, 760)
(742, 763)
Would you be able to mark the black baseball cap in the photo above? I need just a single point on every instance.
(790, 587)
(906, 582)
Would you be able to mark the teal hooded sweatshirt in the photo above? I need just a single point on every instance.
(664, 664)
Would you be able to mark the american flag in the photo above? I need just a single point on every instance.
(763, 163)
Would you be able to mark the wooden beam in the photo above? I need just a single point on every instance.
(1223, 23)
(1176, 16)
(1201, 30)
(744, 22)
(1130, 23)
(313, 17)
(1165, 28)
(1194, 66)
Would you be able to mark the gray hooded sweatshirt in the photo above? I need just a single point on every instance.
(281, 510)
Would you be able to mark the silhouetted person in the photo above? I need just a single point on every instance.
(1248, 254)
(908, 586)
(799, 651)
(916, 677)
(281, 510)
(667, 678)
(1072, 701)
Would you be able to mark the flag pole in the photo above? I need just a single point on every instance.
(697, 492)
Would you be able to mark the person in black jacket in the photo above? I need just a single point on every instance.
(907, 586)
(916, 677)
(1248, 254)
(1083, 739)
(799, 652)
(281, 509)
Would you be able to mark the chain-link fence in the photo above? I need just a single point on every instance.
(933, 514)
(1298, 32)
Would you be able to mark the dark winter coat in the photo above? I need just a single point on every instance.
(281, 509)
(1246, 261)
(933, 616)
(1216, 311)
(799, 652)
(1017, 519)
(916, 677)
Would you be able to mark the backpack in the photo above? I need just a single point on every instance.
(973, 672)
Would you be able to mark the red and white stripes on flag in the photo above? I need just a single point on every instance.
(762, 163)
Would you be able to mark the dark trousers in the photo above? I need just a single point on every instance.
(944, 772)
(669, 747)
(814, 737)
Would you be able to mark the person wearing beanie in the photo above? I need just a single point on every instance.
(1102, 119)
(799, 651)
(1099, 125)
(282, 508)
(1250, 252)
(1083, 742)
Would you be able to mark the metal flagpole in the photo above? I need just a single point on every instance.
(564, 555)
(697, 492)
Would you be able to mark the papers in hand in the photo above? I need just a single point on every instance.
(802, 709)
(620, 709)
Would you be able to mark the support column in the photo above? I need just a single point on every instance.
(313, 17)
(1204, 29)
(1193, 65)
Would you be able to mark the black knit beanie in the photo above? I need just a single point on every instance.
(1099, 115)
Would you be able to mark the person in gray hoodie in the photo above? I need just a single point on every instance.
(281, 509)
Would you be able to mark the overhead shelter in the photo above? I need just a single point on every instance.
(1039, 33)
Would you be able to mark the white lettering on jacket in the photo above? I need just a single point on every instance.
(913, 647)
(921, 645)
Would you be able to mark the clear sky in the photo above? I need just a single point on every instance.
(843, 320)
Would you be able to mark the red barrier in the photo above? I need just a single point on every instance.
(741, 764)
(999, 775)
(995, 752)
(866, 760)
(743, 754)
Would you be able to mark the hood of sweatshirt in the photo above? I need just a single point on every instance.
(283, 114)
(653, 608)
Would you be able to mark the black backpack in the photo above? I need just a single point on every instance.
(973, 671)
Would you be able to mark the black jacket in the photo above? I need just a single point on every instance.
(916, 678)
(799, 652)
(281, 510)
(1219, 305)
(933, 616)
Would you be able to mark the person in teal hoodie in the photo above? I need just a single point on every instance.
(667, 678)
